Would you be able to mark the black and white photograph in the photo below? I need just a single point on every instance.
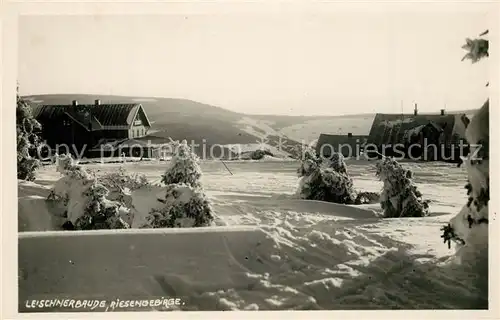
(322, 156)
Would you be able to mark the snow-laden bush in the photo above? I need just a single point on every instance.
(99, 212)
(122, 179)
(73, 181)
(400, 196)
(366, 197)
(27, 140)
(184, 167)
(185, 207)
(83, 199)
(324, 180)
(260, 154)
(121, 184)
(185, 203)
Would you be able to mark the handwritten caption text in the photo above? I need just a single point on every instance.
(105, 305)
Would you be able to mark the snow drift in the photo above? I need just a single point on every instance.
(295, 261)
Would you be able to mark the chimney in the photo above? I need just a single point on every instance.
(415, 111)
(97, 102)
(442, 112)
(75, 103)
(349, 135)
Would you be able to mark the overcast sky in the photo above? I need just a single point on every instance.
(293, 63)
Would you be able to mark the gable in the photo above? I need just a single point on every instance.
(139, 117)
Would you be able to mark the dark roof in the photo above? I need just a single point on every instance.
(85, 114)
(327, 142)
(392, 128)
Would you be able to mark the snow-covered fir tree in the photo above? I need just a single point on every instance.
(400, 196)
(309, 162)
(469, 228)
(324, 179)
(185, 202)
(337, 163)
(184, 166)
(27, 140)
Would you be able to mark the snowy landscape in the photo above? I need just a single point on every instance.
(272, 251)
(274, 224)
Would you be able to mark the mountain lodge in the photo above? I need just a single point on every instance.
(404, 134)
(87, 126)
(418, 131)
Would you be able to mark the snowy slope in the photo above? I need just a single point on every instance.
(310, 130)
(307, 131)
(258, 128)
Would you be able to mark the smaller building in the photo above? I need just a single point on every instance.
(348, 145)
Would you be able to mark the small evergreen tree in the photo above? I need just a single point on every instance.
(325, 180)
(399, 197)
(473, 218)
(27, 140)
(186, 204)
(184, 167)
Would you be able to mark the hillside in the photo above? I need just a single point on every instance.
(211, 125)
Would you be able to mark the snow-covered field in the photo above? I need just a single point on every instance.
(274, 252)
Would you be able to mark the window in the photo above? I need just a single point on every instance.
(138, 133)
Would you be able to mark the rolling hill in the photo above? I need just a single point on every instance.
(212, 125)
